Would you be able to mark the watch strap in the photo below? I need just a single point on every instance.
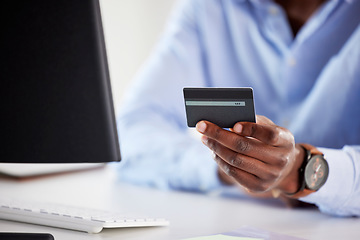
(303, 191)
(313, 150)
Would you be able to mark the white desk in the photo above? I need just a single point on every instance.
(190, 214)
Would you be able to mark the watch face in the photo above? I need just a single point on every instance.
(316, 172)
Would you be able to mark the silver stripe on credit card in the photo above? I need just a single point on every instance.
(216, 103)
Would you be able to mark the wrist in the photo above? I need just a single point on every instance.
(291, 183)
(313, 172)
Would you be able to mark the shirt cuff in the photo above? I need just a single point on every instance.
(333, 195)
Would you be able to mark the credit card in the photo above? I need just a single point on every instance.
(222, 106)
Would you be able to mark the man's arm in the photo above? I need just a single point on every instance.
(157, 149)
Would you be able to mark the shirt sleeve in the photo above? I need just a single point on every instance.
(340, 195)
(156, 145)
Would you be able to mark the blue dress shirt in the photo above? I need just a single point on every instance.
(309, 84)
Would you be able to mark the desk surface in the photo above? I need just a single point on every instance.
(190, 214)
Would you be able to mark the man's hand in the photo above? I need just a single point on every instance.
(259, 156)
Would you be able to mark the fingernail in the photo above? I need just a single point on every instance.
(201, 126)
(238, 128)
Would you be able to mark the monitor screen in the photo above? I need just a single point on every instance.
(57, 105)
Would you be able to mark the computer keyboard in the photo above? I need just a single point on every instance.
(69, 217)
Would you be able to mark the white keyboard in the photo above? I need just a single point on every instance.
(75, 218)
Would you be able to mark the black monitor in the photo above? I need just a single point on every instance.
(56, 101)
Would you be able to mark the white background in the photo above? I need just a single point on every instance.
(131, 28)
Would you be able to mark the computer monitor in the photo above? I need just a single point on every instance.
(57, 105)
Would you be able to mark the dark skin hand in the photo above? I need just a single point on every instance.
(259, 156)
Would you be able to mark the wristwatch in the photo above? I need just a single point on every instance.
(313, 173)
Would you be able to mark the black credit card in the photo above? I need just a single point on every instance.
(222, 106)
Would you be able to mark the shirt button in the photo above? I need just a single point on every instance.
(292, 61)
(273, 11)
(286, 123)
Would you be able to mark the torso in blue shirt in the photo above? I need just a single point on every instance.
(309, 84)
